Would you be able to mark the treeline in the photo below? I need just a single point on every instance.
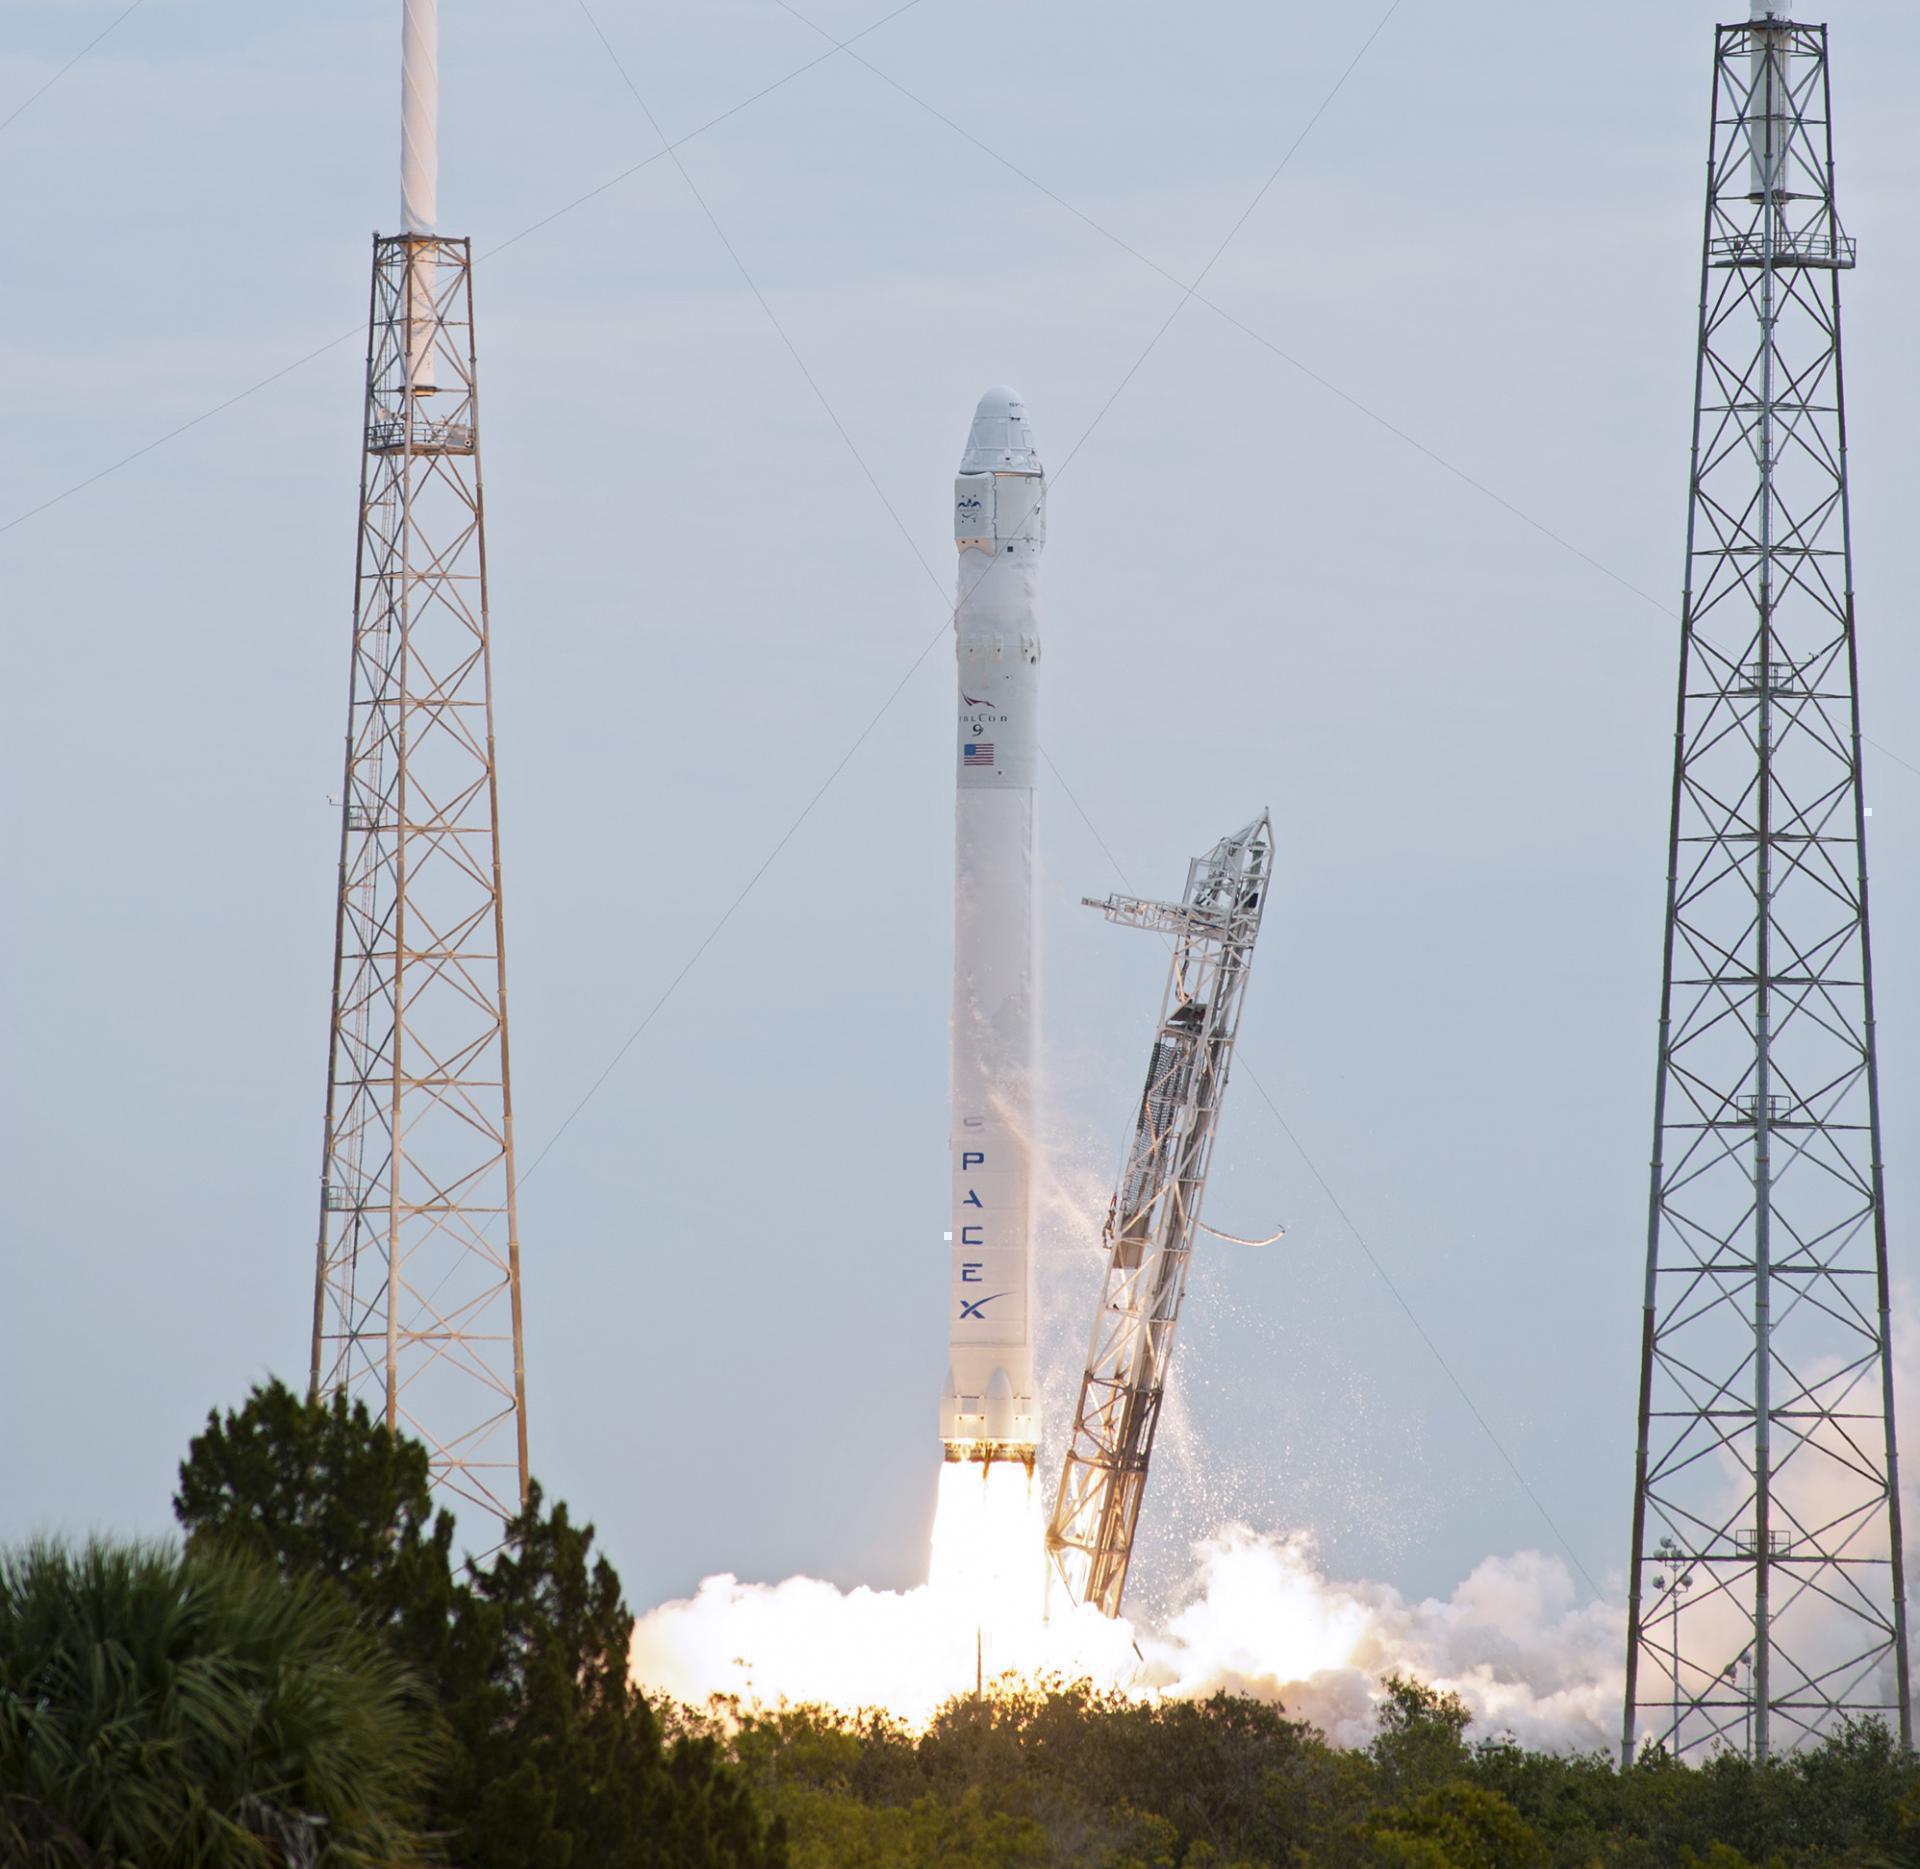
(311, 1681)
(1066, 1776)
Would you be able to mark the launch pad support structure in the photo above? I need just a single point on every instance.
(1766, 1600)
(417, 1279)
(417, 1287)
(1155, 1211)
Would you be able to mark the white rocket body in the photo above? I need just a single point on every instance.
(991, 1407)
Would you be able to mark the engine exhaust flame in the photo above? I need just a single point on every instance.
(986, 1566)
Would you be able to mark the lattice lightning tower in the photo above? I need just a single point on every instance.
(1767, 1600)
(417, 1286)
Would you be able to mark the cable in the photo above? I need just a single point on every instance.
(707, 940)
(844, 45)
(1399, 1298)
(835, 45)
(670, 148)
(1891, 754)
(780, 330)
(206, 415)
(533, 227)
(813, 384)
(1189, 292)
(806, 811)
(20, 110)
(1266, 343)
(1234, 1239)
(1246, 215)
(1192, 291)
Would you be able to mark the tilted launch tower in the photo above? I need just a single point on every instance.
(417, 1284)
(1766, 1596)
(1155, 1212)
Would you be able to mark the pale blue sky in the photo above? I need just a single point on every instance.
(1255, 594)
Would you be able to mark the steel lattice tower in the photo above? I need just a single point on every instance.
(417, 1286)
(1767, 1599)
(1154, 1217)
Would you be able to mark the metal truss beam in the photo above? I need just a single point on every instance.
(1155, 1211)
(1766, 1599)
(417, 1280)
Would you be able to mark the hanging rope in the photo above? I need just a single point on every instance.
(1233, 1239)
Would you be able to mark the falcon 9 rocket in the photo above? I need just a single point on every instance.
(991, 1409)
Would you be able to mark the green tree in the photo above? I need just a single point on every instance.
(323, 1490)
(1456, 1826)
(1717, 1856)
(160, 1709)
(562, 1759)
(839, 1832)
(557, 1762)
(1422, 1739)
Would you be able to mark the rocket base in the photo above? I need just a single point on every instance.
(983, 1451)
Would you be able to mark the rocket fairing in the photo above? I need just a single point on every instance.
(991, 1406)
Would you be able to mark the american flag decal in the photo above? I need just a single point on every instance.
(977, 753)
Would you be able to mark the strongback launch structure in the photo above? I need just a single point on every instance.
(417, 1282)
(1766, 1597)
(1155, 1212)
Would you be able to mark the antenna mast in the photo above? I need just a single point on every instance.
(417, 1282)
(1766, 1600)
(1155, 1211)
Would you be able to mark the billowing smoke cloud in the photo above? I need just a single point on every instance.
(1513, 1641)
(1259, 1617)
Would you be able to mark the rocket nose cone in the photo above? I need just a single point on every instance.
(1001, 439)
(1003, 402)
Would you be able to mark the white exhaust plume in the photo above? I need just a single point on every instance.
(1258, 1617)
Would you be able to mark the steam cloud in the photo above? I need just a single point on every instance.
(1259, 1617)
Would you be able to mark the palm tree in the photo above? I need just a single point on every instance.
(170, 1711)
